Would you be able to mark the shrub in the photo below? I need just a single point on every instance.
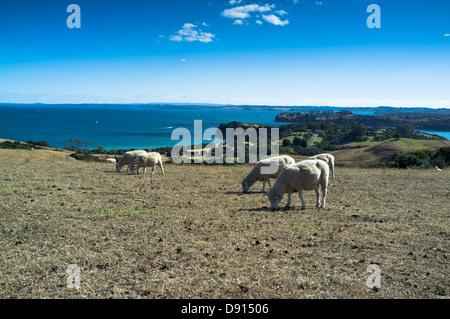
(15, 145)
(412, 161)
(300, 142)
(287, 142)
(85, 157)
(42, 143)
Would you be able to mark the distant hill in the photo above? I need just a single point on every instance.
(423, 122)
(366, 153)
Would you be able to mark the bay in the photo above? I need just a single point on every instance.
(116, 126)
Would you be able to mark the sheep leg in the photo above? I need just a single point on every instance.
(151, 175)
(300, 194)
(324, 196)
(270, 185)
(288, 204)
(264, 186)
(161, 166)
(317, 197)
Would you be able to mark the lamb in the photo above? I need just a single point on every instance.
(305, 175)
(147, 160)
(327, 158)
(256, 175)
(127, 159)
(110, 160)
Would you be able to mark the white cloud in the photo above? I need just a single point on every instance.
(281, 12)
(243, 12)
(232, 2)
(447, 35)
(317, 3)
(275, 20)
(189, 34)
(240, 13)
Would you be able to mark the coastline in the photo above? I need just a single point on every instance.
(138, 126)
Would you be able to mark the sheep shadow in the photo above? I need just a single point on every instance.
(257, 209)
(281, 209)
(242, 193)
(266, 209)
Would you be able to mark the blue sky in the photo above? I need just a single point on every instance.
(287, 52)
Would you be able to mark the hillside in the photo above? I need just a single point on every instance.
(364, 154)
(423, 122)
(193, 234)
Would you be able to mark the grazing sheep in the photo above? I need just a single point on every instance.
(110, 160)
(256, 175)
(438, 169)
(305, 175)
(327, 158)
(127, 159)
(147, 160)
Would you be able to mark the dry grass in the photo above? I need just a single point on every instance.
(35, 155)
(375, 152)
(193, 234)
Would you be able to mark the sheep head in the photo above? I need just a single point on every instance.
(245, 185)
(274, 198)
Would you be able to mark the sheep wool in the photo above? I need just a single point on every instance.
(255, 174)
(328, 158)
(147, 160)
(127, 159)
(305, 175)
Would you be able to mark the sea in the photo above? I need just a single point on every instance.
(122, 126)
(117, 126)
(443, 134)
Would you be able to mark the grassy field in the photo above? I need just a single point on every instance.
(370, 152)
(193, 234)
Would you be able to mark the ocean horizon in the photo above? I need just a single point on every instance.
(124, 126)
(117, 126)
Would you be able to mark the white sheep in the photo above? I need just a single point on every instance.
(147, 160)
(305, 175)
(327, 158)
(110, 160)
(437, 168)
(256, 175)
(127, 159)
